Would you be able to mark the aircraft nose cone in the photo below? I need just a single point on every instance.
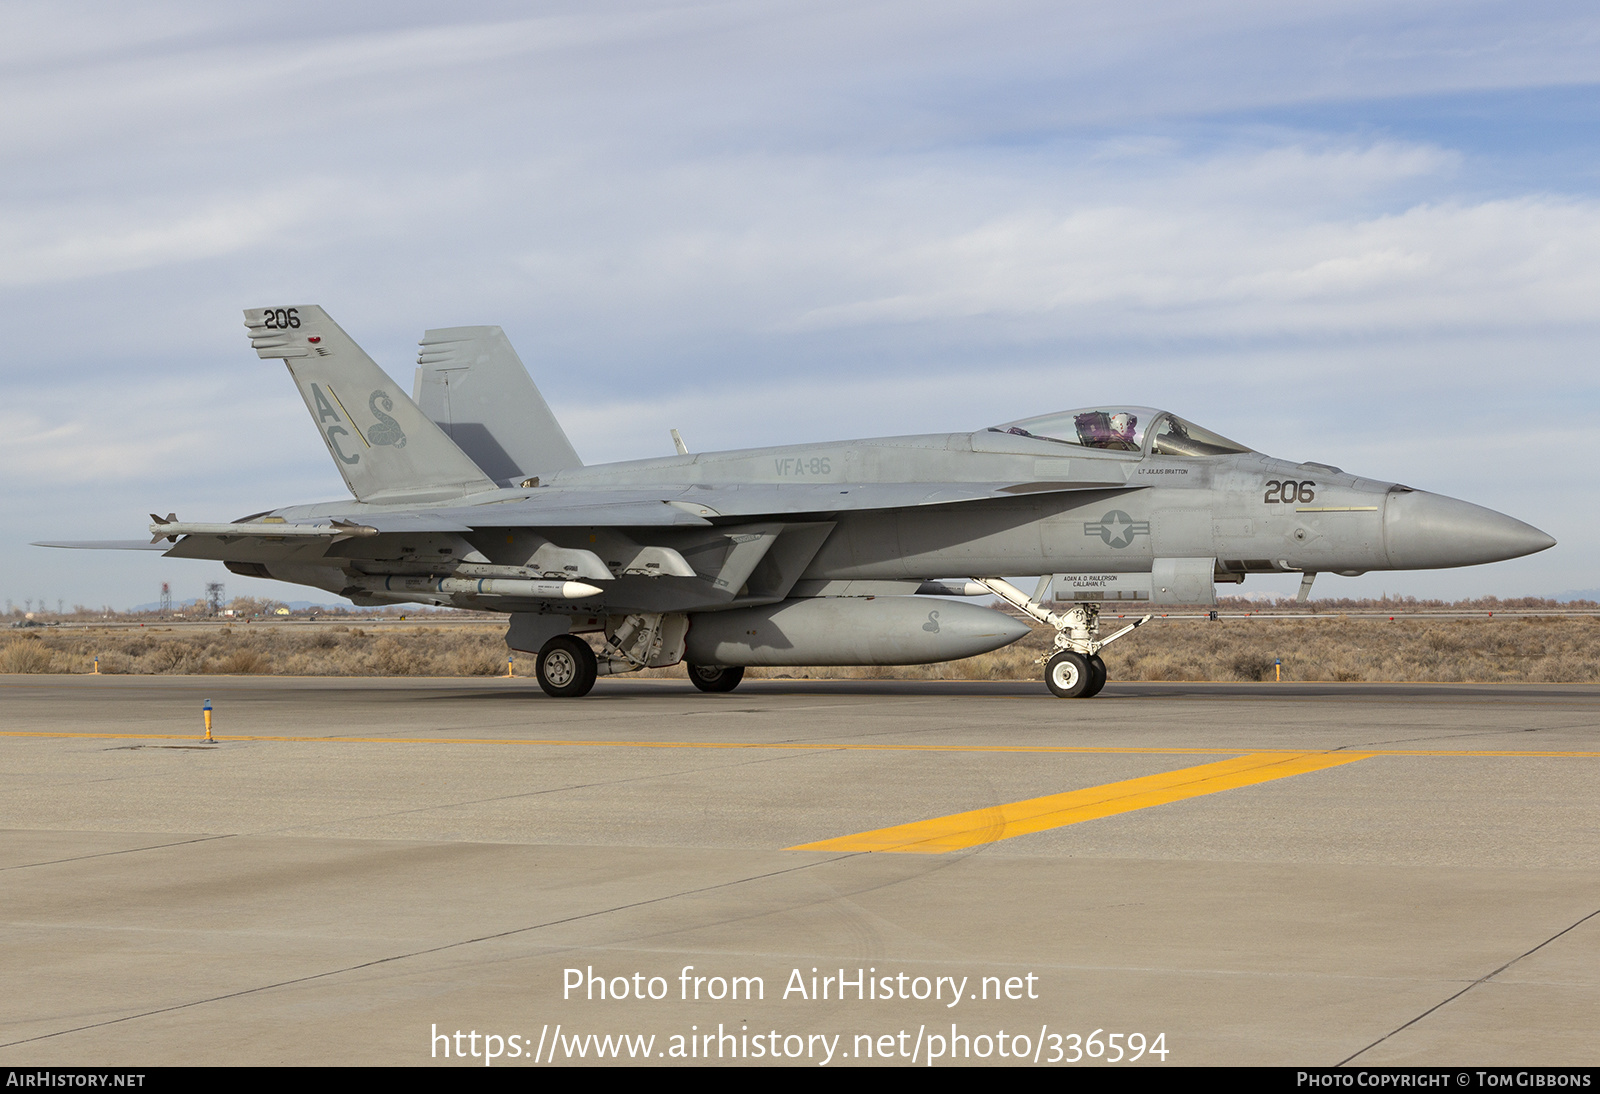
(1424, 531)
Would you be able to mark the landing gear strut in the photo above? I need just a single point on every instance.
(1073, 670)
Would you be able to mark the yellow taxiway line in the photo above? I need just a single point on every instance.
(940, 835)
(799, 746)
(958, 830)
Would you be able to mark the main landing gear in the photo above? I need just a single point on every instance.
(567, 667)
(1073, 670)
(715, 677)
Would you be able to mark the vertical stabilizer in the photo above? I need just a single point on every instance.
(385, 447)
(472, 383)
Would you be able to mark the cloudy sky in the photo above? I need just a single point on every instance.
(1361, 233)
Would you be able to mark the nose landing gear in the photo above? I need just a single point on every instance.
(1074, 669)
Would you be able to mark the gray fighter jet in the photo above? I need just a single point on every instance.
(842, 553)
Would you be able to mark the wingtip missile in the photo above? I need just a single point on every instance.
(337, 530)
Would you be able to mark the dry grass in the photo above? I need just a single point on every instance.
(1544, 649)
(300, 650)
(23, 656)
(1530, 648)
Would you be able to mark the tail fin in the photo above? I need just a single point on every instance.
(474, 387)
(385, 447)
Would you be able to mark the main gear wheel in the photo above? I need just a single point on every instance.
(567, 667)
(716, 677)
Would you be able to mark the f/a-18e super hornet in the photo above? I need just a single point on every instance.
(470, 495)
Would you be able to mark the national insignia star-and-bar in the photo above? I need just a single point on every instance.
(1116, 528)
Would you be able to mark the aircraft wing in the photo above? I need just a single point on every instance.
(786, 499)
(555, 507)
(309, 539)
(558, 507)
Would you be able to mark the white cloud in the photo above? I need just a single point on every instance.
(70, 436)
(1236, 244)
(1188, 272)
(59, 243)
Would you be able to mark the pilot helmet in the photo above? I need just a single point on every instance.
(1122, 422)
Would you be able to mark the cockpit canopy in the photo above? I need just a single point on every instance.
(1124, 429)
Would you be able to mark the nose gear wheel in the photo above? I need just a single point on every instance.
(1068, 675)
(1097, 670)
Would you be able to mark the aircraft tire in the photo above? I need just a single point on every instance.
(1097, 680)
(567, 667)
(716, 677)
(1068, 675)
